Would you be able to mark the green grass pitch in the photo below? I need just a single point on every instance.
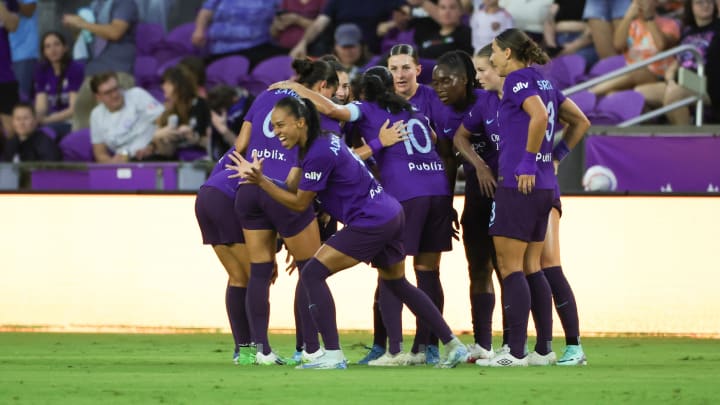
(54, 368)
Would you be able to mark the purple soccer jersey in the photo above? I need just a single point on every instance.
(6, 73)
(219, 176)
(263, 142)
(424, 99)
(482, 123)
(329, 124)
(514, 122)
(446, 119)
(411, 168)
(47, 82)
(345, 188)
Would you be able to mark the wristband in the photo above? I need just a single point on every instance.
(375, 145)
(561, 150)
(527, 165)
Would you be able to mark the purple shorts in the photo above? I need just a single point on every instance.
(428, 224)
(519, 216)
(557, 204)
(215, 214)
(257, 210)
(382, 246)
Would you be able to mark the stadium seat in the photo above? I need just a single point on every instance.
(49, 131)
(147, 37)
(617, 107)
(145, 72)
(585, 100)
(229, 70)
(605, 65)
(566, 70)
(77, 147)
(274, 69)
(176, 44)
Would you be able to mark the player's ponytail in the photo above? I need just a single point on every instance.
(377, 86)
(523, 48)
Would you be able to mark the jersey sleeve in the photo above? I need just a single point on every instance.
(316, 168)
(521, 87)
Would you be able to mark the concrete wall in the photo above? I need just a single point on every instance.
(637, 264)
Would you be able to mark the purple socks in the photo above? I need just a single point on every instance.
(321, 303)
(379, 332)
(306, 331)
(420, 305)
(429, 283)
(391, 308)
(482, 306)
(235, 306)
(257, 304)
(516, 302)
(541, 307)
(564, 304)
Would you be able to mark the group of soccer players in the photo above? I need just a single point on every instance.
(384, 166)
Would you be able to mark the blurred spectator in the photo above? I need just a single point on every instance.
(111, 48)
(713, 73)
(292, 19)
(487, 21)
(342, 93)
(237, 27)
(700, 26)
(123, 122)
(349, 48)
(24, 47)
(155, 11)
(566, 33)
(397, 30)
(9, 21)
(529, 16)
(57, 80)
(641, 34)
(28, 144)
(228, 106)
(604, 17)
(196, 67)
(365, 14)
(185, 123)
(442, 32)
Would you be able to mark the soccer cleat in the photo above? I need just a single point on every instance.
(537, 359)
(246, 355)
(478, 352)
(415, 359)
(374, 353)
(390, 360)
(297, 357)
(309, 357)
(329, 360)
(503, 359)
(432, 355)
(269, 359)
(456, 353)
(573, 356)
(236, 356)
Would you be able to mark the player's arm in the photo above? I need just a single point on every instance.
(485, 177)
(323, 104)
(243, 139)
(577, 125)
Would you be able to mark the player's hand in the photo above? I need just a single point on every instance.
(251, 172)
(390, 135)
(219, 121)
(526, 183)
(486, 181)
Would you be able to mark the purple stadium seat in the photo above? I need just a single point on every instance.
(146, 68)
(426, 72)
(617, 107)
(229, 70)
(176, 44)
(605, 65)
(76, 146)
(49, 131)
(274, 69)
(566, 70)
(162, 67)
(147, 37)
(191, 153)
(584, 100)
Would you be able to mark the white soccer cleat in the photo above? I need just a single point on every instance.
(537, 359)
(329, 360)
(306, 357)
(456, 353)
(415, 359)
(269, 359)
(390, 360)
(478, 352)
(503, 359)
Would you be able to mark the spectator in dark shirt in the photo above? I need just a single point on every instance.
(29, 144)
(9, 21)
(228, 106)
(444, 32)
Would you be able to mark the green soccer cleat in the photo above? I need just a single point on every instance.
(573, 356)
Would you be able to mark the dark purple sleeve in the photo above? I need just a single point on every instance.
(75, 76)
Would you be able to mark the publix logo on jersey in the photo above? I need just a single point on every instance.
(519, 86)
